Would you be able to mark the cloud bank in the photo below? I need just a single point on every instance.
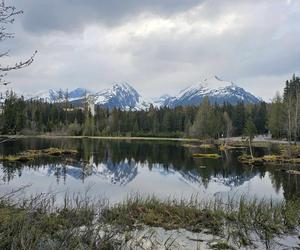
(158, 46)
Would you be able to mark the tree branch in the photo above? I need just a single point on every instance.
(19, 65)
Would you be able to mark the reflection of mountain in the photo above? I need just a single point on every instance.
(234, 180)
(65, 170)
(194, 177)
(191, 177)
(121, 173)
(126, 171)
(116, 173)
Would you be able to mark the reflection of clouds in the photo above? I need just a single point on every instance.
(255, 187)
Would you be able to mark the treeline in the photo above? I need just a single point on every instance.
(284, 117)
(205, 121)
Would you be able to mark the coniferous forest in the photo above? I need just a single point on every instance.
(208, 120)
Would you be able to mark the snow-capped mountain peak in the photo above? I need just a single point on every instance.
(121, 95)
(216, 82)
(124, 96)
(52, 95)
(124, 87)
(217, 90)
(161, 101)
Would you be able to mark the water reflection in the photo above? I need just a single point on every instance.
(118, 168)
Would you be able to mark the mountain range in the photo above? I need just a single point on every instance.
(125, 97)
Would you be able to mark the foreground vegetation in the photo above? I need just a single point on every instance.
(36, 223)
(81, 223)
(235, 221)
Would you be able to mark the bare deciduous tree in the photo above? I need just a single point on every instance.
(7, 16)
(297, 99)
(229, 127)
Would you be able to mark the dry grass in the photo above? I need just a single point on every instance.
(81, 223)
(207, 156)
(204, 146)
(268, 159)
(237, 221)
(30, 155)
(230, 147)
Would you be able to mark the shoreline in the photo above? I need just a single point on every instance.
(101, 137)
(232, 140)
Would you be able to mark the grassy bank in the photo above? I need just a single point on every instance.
(237, 222)
(80, 223)
(46, 136)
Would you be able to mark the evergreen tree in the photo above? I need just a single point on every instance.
(239, 117)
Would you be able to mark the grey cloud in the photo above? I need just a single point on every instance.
(260, 48)
(68, 15)
(256, 48)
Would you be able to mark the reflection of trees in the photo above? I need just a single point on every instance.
(288, 182)
(9, 173)
(227, 170)
(121, 157)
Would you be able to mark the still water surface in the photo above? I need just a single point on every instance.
(117, 169)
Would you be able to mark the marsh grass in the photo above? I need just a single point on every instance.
(224, 147)
(207, 156)
(241, 222)
(203, 146)
(83, 223)
(268, 159)
(285, 155)
(167, 214)
(31, 155)
(37, 223)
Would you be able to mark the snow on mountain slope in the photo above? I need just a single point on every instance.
(58, 95)
(162, 101)
(121, 95)
(78, 93)
(217, 90)
(125, 97)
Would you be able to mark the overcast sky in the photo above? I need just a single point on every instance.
(158, 46)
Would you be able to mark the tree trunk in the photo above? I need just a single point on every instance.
(250, 146)
(289, 121)
(296, 117)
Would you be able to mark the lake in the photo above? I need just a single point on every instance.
(116, 169)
